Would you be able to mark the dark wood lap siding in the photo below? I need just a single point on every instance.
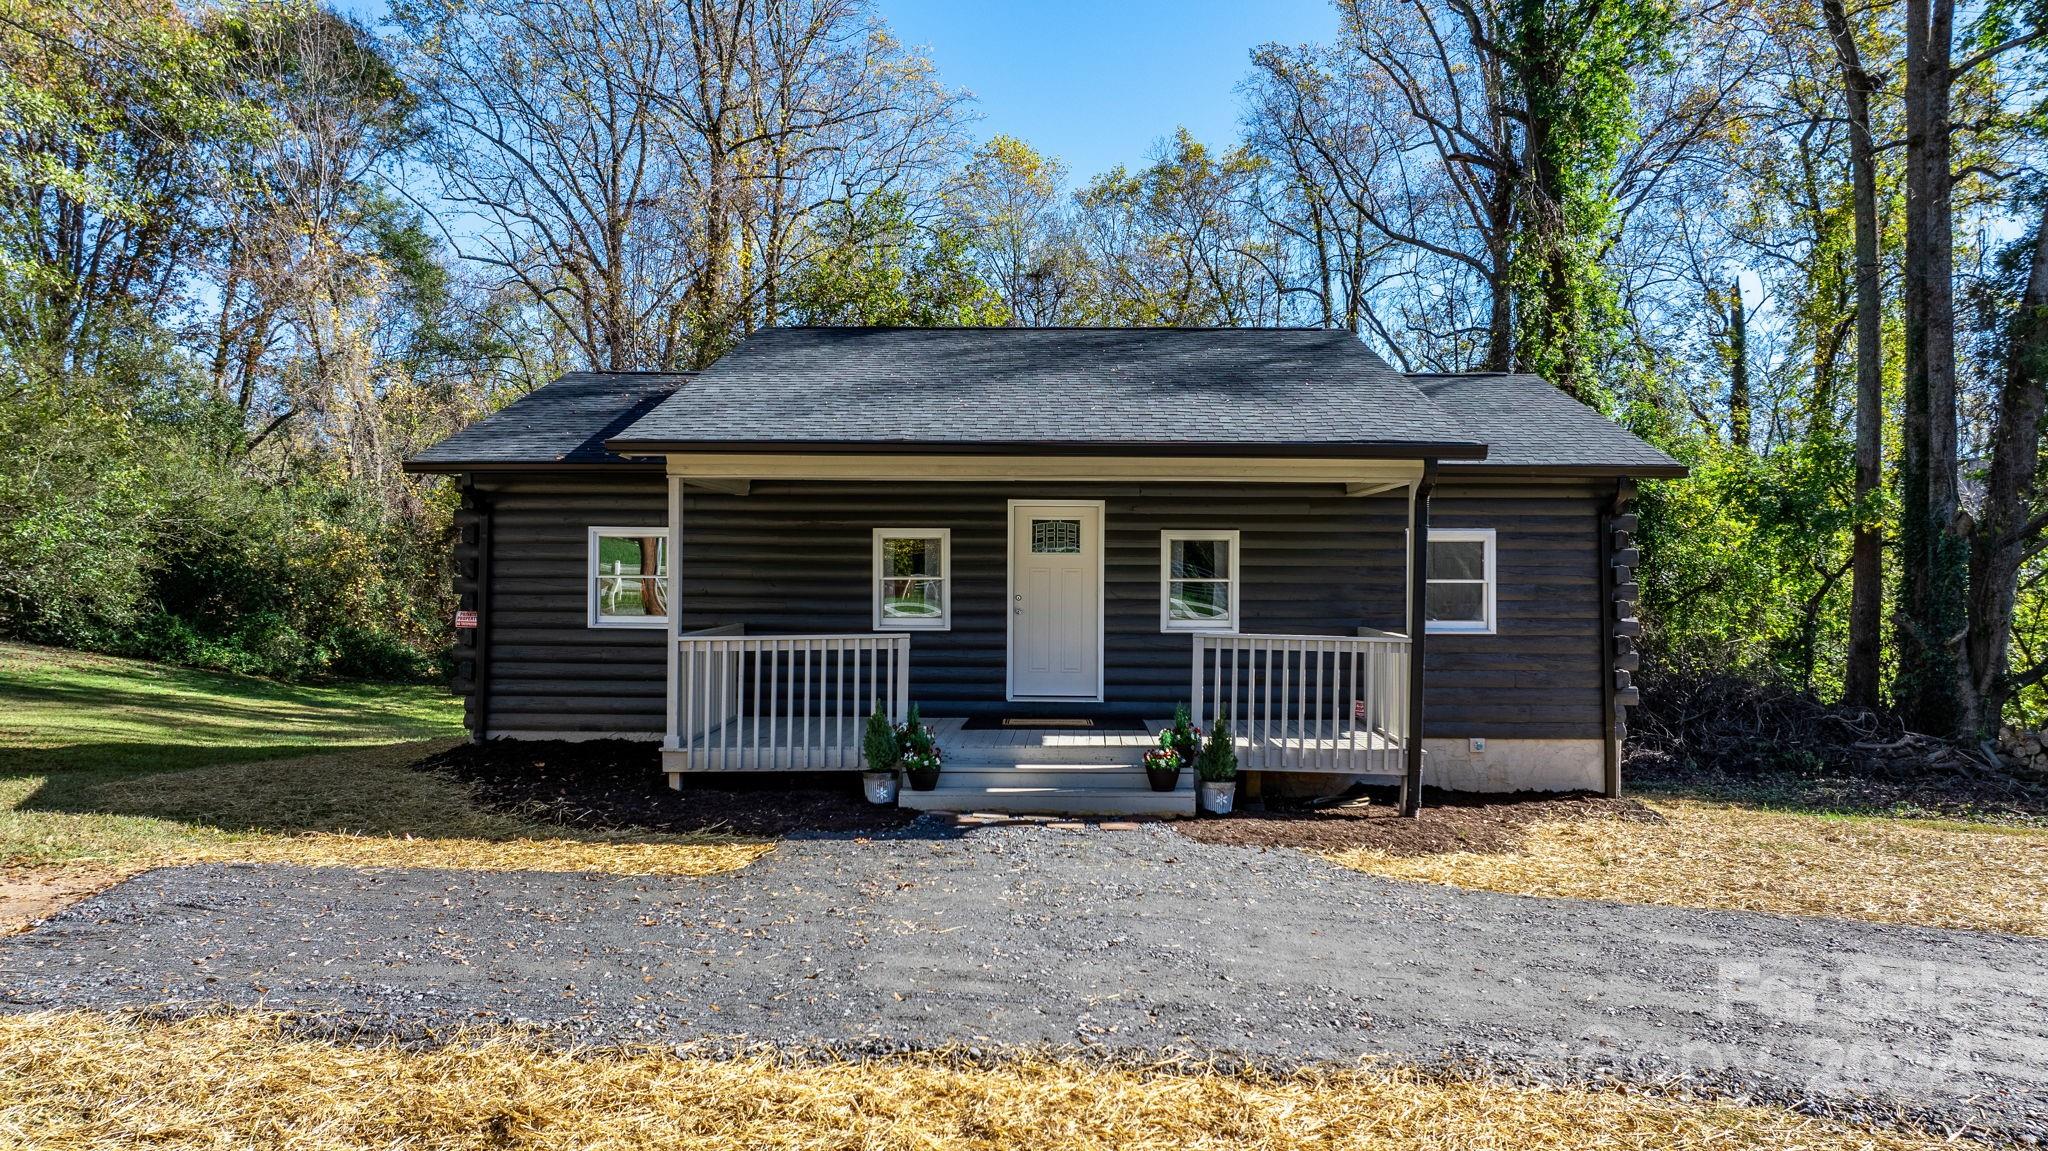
(1538, 677)
(550, 671)
(797, 558)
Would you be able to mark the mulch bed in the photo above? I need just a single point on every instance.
(1450, 822)
(617, 785)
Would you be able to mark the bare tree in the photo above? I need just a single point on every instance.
(645, 171)
(1860, 680)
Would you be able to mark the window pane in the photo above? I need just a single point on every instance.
(910, 556)
(1055, 537)
(629, 595)
(1460, 602)
(915, 598)
(632, 555)
(1199, 559)
(1457, 559)
(1198, 601)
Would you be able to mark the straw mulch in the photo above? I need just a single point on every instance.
(1735, 858)
(76, 1081)
(640, 855)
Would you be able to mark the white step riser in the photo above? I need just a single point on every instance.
(1113, 756)
(1110, 780)
(1063, 802)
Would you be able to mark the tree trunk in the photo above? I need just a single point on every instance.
(1860, 676)
(1931, 551)
(2003, 534)
(1738, 369)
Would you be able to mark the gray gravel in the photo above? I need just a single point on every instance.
(1117, 941)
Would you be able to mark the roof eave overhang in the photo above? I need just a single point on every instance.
(457, 467)
(1672, 471)
(1336, 450)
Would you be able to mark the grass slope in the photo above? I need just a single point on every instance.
(109, 766)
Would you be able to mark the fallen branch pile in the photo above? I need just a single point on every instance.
(1716, 726)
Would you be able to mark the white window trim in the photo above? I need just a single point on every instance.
(945, 620)
(1166, 540)
(594, 616)
(1484, 626)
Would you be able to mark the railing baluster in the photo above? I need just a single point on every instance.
(1307, 702)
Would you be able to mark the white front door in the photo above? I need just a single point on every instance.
(1056, 601)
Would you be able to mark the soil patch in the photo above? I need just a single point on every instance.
(617, 785)
(1450, 822)
(29, 895)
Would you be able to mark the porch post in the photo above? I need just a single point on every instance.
(1418, 586)
(671, 737)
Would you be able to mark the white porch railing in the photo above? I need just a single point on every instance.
(784, 702)
(1307, 702)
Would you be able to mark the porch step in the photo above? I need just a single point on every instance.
(1052, 800)
(965, 754)
(1055, 775)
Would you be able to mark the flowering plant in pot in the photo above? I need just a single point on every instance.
(1216, 767)
(1163, 764)
(920, 753)
(883, 755)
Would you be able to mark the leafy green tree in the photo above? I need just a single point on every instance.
(877, 266)
(112, 113)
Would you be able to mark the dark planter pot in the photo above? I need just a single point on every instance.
(927, 780)
(1163, 778)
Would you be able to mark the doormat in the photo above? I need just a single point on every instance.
(1052, 723)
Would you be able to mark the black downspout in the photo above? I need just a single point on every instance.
(1418, 566)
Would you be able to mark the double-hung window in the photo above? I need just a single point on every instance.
(1198, 581)
(1460, 594)
(913, 586)
(628, 578)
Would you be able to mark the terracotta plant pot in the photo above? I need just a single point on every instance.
(880, 786)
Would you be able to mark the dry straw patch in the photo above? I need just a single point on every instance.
(77, 1080)
(1735, 858)
(639, 856)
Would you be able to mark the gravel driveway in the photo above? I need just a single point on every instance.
(1139, 940)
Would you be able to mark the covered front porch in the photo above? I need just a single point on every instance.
(1047, 592)
(1334, 705)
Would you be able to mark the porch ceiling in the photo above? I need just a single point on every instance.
(1360, 476)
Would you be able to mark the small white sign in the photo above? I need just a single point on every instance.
(465, 621)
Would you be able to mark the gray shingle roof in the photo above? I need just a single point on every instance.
(1306, 390)
(1299, 389)
(565, 422)
(1527, 423)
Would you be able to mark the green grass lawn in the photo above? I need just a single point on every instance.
(120, 764)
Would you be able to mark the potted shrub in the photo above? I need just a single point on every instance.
(1187, 739)
(1163, 763)
(919, 752)
(1217, 769)
(878, 747)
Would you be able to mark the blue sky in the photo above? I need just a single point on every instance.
(1094, 82)
(1097, 83)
